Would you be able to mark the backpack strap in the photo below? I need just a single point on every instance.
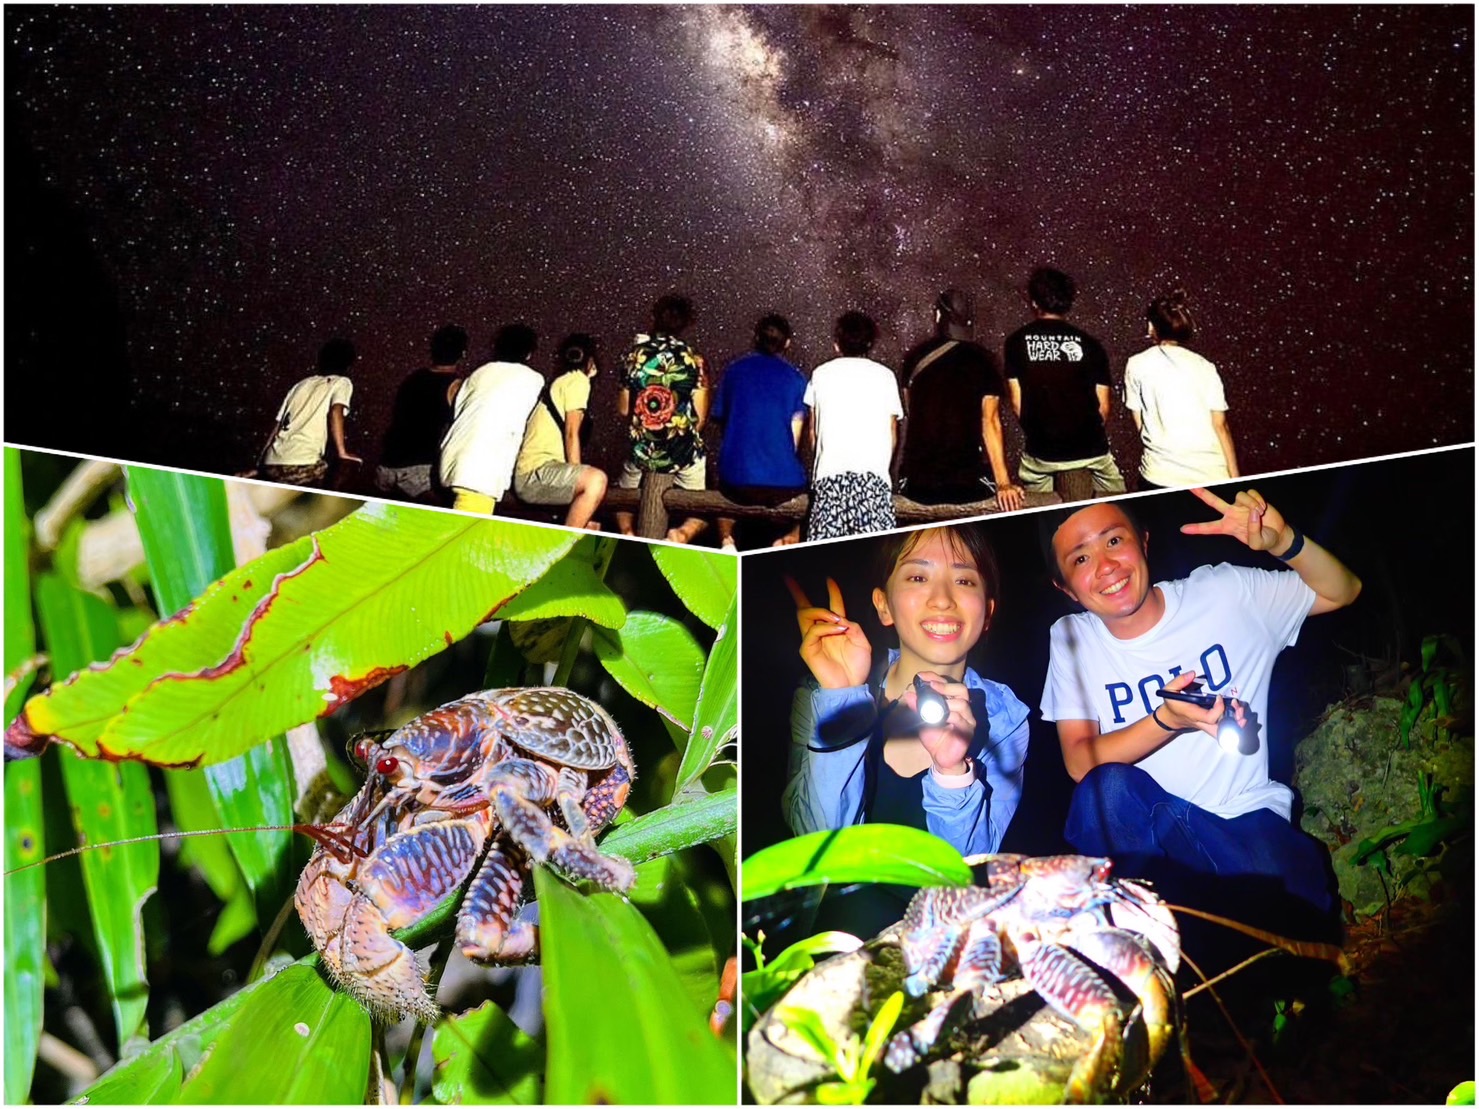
(933, 356)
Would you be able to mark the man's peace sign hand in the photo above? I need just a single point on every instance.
(1250, 520)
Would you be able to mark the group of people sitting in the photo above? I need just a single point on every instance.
(837, 435)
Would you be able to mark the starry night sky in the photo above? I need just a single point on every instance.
(198, 198)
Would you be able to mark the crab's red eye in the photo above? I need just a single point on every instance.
(359, 750)
(387, 766)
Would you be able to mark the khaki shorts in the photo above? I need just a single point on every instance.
(691, 477)
(549, 483)
(1037, 475)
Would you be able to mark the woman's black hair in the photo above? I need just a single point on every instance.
(1171, 317)
(967, 539)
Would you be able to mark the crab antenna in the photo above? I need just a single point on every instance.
(316, 832)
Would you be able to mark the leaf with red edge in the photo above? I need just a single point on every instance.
(375, 594)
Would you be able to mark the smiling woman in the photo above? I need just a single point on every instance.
(861, 750)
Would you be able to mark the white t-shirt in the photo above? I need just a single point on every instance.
(303, 420)
(1176, 390)
(854, 402)
(1228, 623)
(488, 419)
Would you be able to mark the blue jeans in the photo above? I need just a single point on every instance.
(1257, 868)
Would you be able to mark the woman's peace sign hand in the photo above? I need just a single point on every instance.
(835, 649)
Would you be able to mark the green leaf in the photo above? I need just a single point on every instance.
(186, 531)
(571, 587)
(674, 827)
(704, 580)
(25, 893)
(657, 660)
(296, 1041)
(809, 1027)
(376, 593)
(878, 1031)
(481, 1058)
(716, 716)
(108, 803)
(1462, 1094)
(25, 926)
(863, 853)
(1429, 651)
(634, 1045)
(666, 894)
(763, 988)
(153, 1079)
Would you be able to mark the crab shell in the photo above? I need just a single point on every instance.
(451, 743)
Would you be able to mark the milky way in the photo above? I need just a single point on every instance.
(245, 182)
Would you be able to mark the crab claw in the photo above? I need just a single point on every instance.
(382, 973)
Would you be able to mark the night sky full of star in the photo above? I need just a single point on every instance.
(197, 198)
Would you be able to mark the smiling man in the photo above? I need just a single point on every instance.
(1157, 791)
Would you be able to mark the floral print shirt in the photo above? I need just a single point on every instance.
(661, 375)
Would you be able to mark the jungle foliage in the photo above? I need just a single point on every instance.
(186, 673)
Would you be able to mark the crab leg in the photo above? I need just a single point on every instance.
(519, 788)
(486, 929)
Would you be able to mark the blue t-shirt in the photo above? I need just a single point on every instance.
(759, 396)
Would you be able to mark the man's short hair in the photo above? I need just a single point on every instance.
(1050, 521)
(514, 342)
(672, 313)
(448, 345)
(1051, 290)
(855, 333)
(575, 352)
(772, 333)
(336, 356)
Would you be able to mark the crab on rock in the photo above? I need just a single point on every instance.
(1077, 935)
(485, 787)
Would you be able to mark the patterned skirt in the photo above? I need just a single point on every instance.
(850, 504)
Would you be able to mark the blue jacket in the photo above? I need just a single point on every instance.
(830, 729)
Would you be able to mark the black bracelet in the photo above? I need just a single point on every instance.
(1164, 726)
(1294, 547)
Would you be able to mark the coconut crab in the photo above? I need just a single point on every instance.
(1079, 937)
(484, 787)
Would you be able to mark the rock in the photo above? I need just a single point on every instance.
(1357, 780)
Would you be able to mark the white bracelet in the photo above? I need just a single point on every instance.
(955, 781)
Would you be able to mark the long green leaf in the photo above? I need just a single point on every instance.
(634, 1046)
(667, 895)
(674, 827)
(379, 591)
(863, 853)
(137, 1080)
(571, 587)
(186, 531)
(25, 893)
(482, 1058)
(704, 580)
(295, 1042)
(108, 803)
(716, 717)
(656, 660)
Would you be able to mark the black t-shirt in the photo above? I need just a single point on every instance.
(1058, 367)
(420, 419)
(942, 441)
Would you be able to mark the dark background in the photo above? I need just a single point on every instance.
(1404, 526)
(197, 198)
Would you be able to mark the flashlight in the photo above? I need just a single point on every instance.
(932, 708)
(1229, 735)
